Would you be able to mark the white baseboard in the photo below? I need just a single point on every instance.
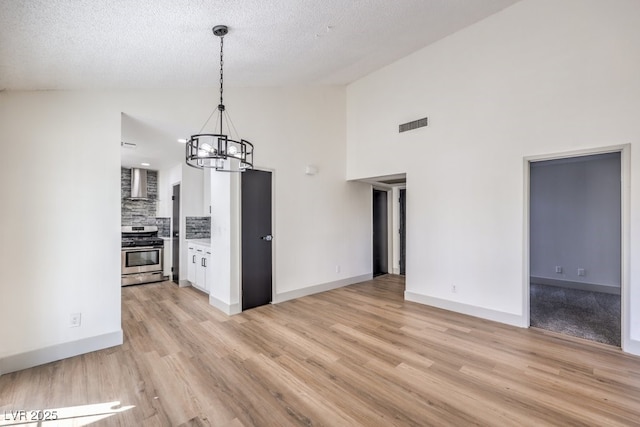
(471, 310)
(231, 309)
(323, 287)
(228, 309)
(56, 352)
(631, 347)
(568, 284)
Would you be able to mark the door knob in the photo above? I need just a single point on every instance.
(268, 237)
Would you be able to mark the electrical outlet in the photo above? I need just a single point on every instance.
(581, 272)
(337, 268)
(75, 320)
(559, 269)
(454, 289)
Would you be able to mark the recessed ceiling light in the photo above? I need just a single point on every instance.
(145, 164)
(182, 141)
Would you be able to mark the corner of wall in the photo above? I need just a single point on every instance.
(631, 347)
(228, 309)
(470, 310)
(323, 287)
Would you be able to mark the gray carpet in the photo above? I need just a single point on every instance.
(591, 315)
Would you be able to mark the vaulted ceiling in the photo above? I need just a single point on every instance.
(78, 44)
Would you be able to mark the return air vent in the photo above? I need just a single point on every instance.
(420, 123)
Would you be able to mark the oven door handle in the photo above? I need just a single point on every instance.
(141, 248)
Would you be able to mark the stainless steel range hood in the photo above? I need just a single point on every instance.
(139, 183)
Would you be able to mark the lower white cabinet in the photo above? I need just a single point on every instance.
(168, 258)
(191, 265)
(199, 260)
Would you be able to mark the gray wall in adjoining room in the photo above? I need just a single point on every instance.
(575, 219)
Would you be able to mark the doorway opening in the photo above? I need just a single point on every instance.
(380, 233)
(575, 246)
(388, 223)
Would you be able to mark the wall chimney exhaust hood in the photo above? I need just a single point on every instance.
(139, 184)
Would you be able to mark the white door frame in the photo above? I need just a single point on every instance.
(394, 250)
(625, 198)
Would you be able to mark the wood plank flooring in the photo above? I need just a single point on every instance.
(358, 355)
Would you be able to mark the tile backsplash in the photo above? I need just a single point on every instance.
(138, 212)
(198, 227)
(164, 227)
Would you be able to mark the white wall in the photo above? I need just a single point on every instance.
(191, 204)
(167, 178)
(219, 279)
(539, 77)
(320, 221)
(60, 227)
(575, 220)
(191, 201)
(62, 207)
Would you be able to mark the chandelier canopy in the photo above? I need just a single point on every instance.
(218, 150)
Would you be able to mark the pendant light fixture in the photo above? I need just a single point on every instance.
(218, 150)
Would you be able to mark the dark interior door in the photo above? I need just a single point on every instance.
(380, 233)
(175, 236)
(256, 238)
(403, 230)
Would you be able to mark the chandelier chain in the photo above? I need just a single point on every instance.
(221, 64)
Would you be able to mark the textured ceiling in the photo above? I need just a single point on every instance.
(79, 44)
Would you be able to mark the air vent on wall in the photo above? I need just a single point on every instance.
(420, 123)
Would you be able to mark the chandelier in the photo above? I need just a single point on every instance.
(218, 150)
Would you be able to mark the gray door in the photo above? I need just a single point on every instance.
(175, 236)
(256, 239)
(403, 230)
(380, 232)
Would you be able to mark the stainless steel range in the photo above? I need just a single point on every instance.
(141, 255)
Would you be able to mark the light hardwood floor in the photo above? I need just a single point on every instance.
(359, 355)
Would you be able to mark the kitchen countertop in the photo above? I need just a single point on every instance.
(204, 242)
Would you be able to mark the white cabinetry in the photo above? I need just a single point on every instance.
(168, 260)
(199, 261)
(191, 266)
